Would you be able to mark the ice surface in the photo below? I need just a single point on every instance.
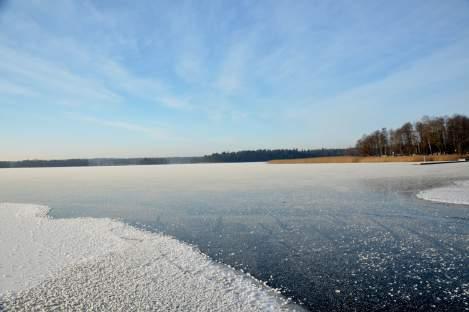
(308, 230)
(456, 193)
(102, 264)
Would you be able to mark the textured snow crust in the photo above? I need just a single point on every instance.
(100, 264)
(457, 193)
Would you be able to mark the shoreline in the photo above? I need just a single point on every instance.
(368, 159)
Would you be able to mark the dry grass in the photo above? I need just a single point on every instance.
(365, 159)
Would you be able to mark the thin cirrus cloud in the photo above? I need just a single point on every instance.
(152, 132)
(8, 88)
(59, 84)
(251, 72)
(415, 87)
(51, 81)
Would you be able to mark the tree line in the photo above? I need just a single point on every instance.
(225, 157)
(430, 135)
(268, 154)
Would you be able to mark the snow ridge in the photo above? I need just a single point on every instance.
(102, 264)
(456, 193)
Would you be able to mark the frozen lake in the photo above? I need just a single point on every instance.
(332, 237)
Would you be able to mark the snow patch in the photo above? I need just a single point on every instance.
(457, 193)
(102, 264)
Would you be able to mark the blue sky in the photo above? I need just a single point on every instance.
(159, 78)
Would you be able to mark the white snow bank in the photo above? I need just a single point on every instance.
(457, 193)
(101, 264)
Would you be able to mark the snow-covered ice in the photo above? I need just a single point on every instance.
(102, 264)
(456, 193)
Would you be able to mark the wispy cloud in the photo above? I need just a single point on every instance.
(152, 132)
(8, 88)
(233, 68)
(52, 81)
(428, 86)
(151, 90)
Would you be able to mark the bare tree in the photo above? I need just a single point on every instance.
(427, 136)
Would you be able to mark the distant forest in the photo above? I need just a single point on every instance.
(266, 155)
(225, 157)
(430, 135)
(437, 135)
